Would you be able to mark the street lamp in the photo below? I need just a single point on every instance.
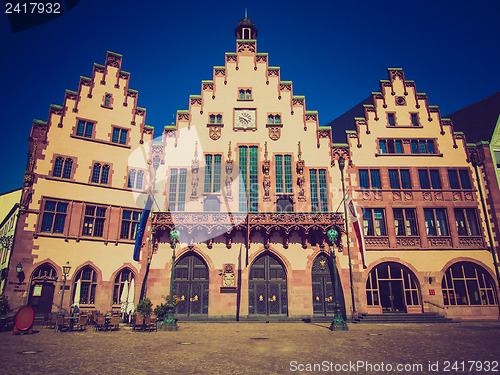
(169, 324)
(341, 167)
(66, 268)
(338, 323)
(20, 272)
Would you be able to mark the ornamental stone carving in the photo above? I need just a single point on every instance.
(215, 132)
(274, 132)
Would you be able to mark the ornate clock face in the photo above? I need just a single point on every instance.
(244, 118)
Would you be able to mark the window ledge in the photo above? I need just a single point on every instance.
(99, 141)
(434, 155)
(105, 106)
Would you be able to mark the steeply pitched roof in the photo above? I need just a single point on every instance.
(478, 120)
(346, 121)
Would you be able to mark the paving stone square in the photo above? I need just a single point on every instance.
(259, 348)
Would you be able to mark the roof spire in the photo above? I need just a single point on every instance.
(246, 13)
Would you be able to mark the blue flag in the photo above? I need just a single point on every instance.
(141, 229)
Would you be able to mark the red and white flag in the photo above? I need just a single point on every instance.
(356, 223)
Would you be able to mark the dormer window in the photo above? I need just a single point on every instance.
(245, 94)
(391, 119)
(107, 100)
(274, 119)
(215, 119)
(414, 119)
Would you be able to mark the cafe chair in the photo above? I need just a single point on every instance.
(100, 324)
(82, 322)
(139, 322)
(114, 323)
(152, 325)
(62, 323)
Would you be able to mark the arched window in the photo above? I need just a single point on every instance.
(270, 119)
(105, 174)
(140, 178)
(466, 283)
(242, 94)
(45, 271)
(212, 119)
(88, 277)
(219, 119)
(248, 94)
(96, 173)
(131, 178)
(58, 166)
(124, 275)
(100, 175)
(277, 119)
(68, 165)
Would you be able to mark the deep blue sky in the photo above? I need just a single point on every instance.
(335, 52)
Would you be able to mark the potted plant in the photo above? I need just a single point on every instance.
(145, 307)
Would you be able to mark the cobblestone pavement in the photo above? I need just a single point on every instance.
(259, 348)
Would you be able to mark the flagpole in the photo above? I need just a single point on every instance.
(341, 167)
(156, 164)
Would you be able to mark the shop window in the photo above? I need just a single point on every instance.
(466, 283)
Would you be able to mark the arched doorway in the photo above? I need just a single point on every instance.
(393, 287)
(191, 286)
(43, 282)
(267, 291)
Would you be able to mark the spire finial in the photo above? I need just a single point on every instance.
(246, 13)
